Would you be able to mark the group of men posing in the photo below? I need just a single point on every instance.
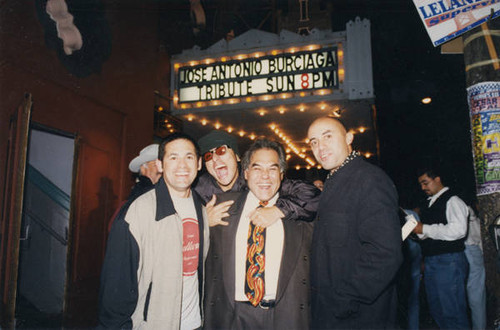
(279, 253)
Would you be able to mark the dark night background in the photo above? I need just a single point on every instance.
(406, 67)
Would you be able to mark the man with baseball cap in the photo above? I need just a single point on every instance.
(298, 199)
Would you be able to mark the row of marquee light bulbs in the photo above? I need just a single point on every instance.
(267, 97)
(290, 146)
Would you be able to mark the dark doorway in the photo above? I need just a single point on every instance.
(44, 229)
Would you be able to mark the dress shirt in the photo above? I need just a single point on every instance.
(474, 232)
(456, 215)
(275, 236)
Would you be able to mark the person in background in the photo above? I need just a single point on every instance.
(476, 287)
(153, 270)
(442, 231)
(356, 247)
(414, 254)
(298, 199)
(144, 165)
(258, 278)
(318, 184)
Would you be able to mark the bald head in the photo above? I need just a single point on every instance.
(330, 142)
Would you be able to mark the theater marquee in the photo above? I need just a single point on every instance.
(254, 76)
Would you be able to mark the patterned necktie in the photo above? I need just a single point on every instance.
(255, 263)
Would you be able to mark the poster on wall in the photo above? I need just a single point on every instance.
(484, 106)
(447, 19)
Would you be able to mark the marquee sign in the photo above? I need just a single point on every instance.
(259, 75)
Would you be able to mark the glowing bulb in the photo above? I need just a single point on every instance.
(229, 129)
(241, 133)
(297, 167)
(204, 122)
(217, 125)
(426, 100)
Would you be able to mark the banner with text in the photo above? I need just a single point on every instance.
(447, 19)
(282, 73)
(484, 106)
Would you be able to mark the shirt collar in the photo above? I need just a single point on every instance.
(433, 198)
(352, 155)
(255, 201)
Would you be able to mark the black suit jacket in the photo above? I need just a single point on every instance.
(356, 250)
(292, 310)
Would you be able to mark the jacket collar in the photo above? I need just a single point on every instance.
(164, 204)
(433, 198)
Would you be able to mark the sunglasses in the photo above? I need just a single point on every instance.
(219, 151)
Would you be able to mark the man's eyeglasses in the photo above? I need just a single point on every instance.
(219, 151)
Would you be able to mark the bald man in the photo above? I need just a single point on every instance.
(356, 249)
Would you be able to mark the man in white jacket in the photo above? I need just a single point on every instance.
(153, 271)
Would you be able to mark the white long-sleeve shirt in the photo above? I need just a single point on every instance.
(474, 233)
(456, 215)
